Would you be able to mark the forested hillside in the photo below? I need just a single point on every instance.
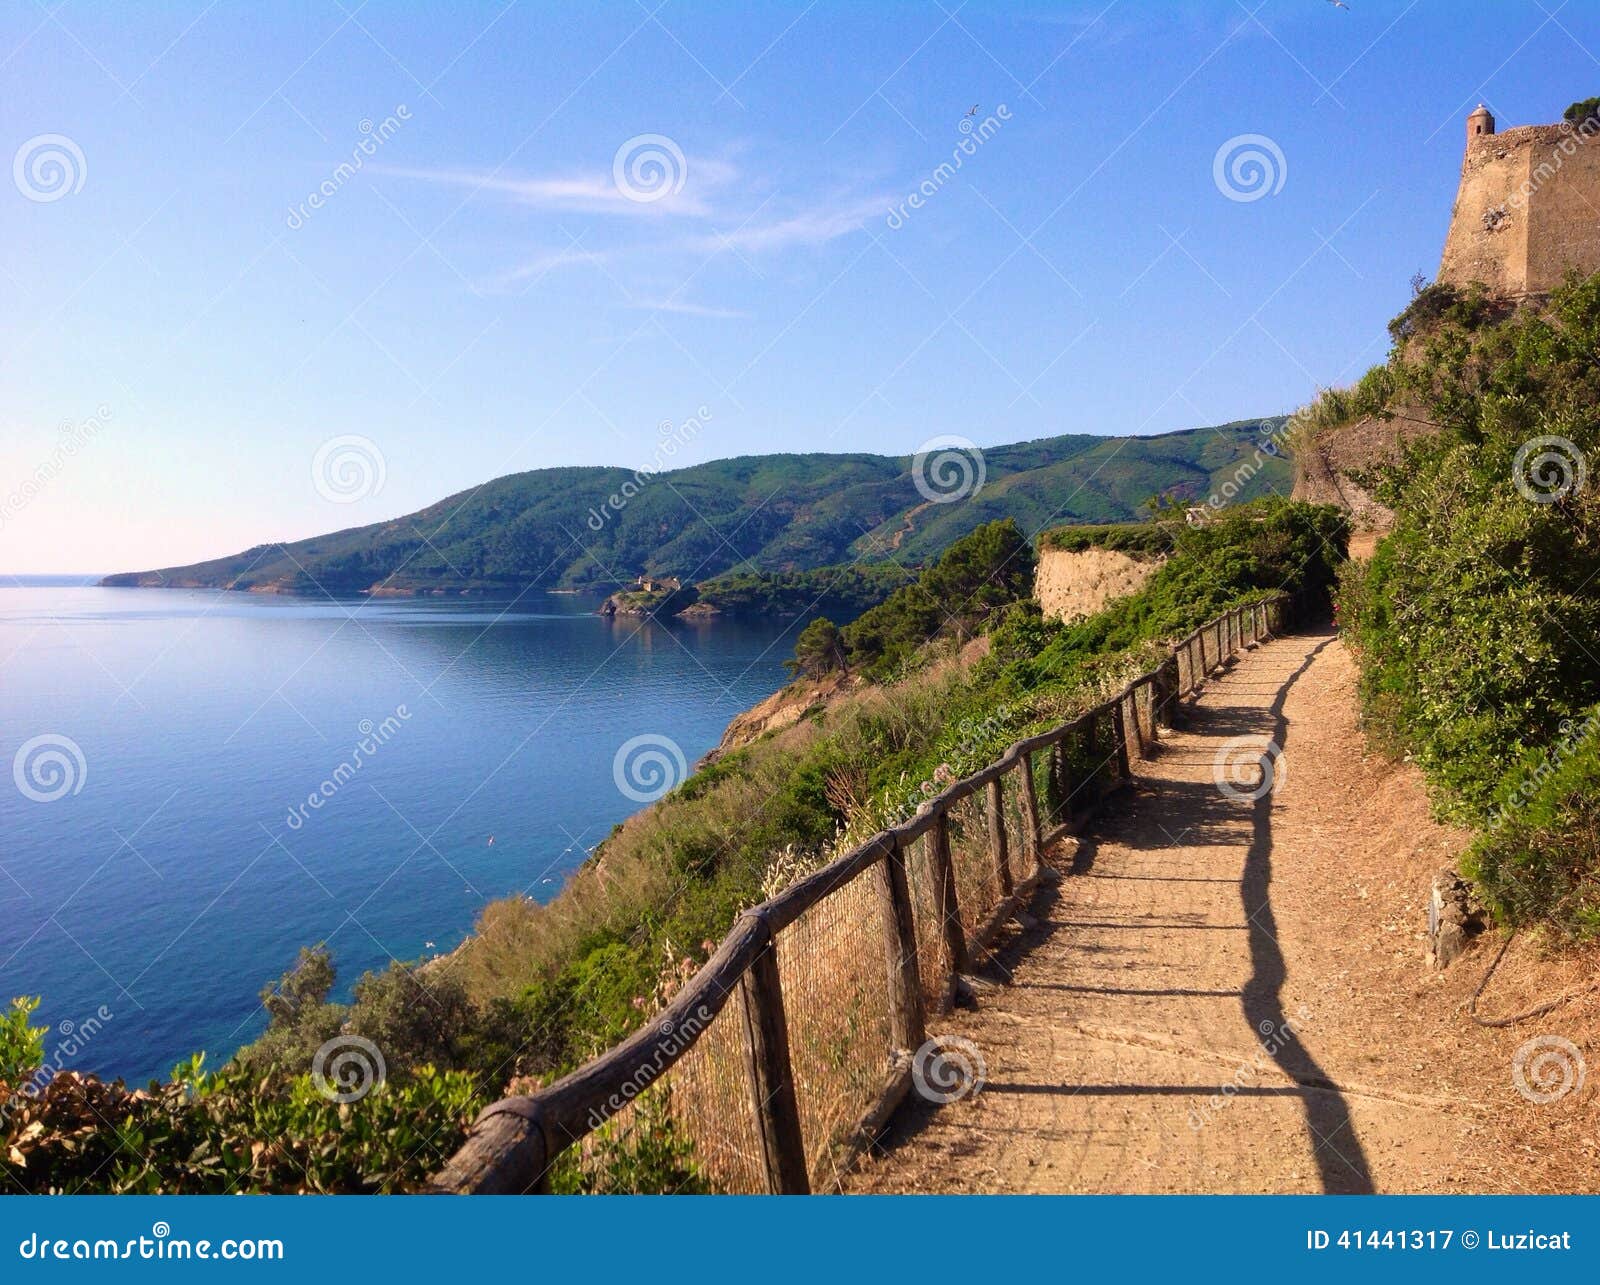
(561, 528)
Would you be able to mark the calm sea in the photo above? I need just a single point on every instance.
(160, 854)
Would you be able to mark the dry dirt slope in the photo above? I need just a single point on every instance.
(1273, 946)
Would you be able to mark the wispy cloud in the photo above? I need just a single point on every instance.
(815, 226)
(683, 308)
(717, 201)
(588, 193)
(550, 261)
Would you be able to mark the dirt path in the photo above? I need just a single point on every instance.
(1227, 994)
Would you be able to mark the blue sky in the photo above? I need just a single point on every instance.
(482, 296)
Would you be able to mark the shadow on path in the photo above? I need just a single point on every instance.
(1341, 1162)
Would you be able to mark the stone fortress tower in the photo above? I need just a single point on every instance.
(1528, 208)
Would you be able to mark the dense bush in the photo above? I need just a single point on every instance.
(1477, 617)
(1443, 304)
(1582, 111)
(1137, 539)
(21, 1043)
(1538, 861)
(228, 1132)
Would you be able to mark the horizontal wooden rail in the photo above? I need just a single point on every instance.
(513, 1143)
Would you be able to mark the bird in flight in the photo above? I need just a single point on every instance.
(1338, 4)
(974, 110)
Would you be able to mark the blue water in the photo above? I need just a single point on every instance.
(173, 876)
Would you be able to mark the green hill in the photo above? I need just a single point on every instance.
(557, 528)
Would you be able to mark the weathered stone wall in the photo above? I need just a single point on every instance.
(1526, 211)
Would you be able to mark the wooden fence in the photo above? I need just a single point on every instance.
(794, 1043)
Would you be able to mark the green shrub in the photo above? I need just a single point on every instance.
(21, 1044)
(1582, 112)
(647, 1157)
(1538, 862)
(1475, 622)
(228, 1132)
(1136, 539)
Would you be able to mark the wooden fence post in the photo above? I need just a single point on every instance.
(1066, 786)
(1091, 752)
(1030, 812)
(1131, 742)
(944, 893)
(1119, 734)
(771, 1079)
(906, 1021)
(998, 847)
(1200, 637)
(1168, 679)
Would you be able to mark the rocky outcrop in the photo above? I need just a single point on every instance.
(1341, 464)
(784, 708)
(659, 604)
(1454, 917)
(1072, 585)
